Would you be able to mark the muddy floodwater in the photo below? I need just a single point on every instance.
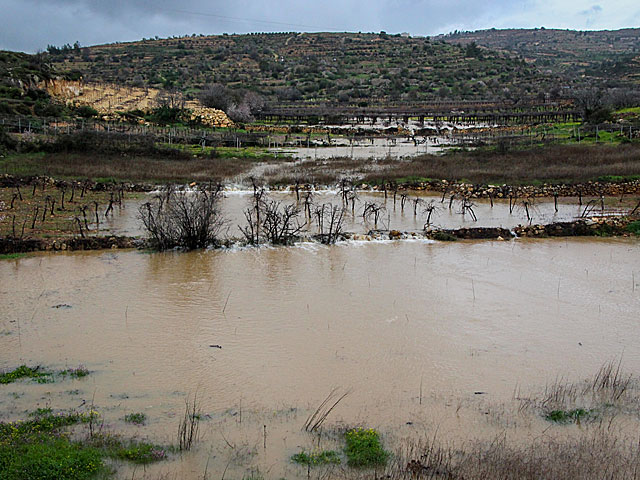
(423, 335)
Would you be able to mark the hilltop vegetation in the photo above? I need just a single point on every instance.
(609, 57)
(337, 67)
(20, 75)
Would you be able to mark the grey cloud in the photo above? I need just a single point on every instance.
(30, 25)
(591, 11)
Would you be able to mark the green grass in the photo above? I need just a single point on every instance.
(12, 256)
(40, 376)
(49, 458)
(79, 372)
(444, 237)
(22, 164)
(319, 457)
(138, 452)
(135, 418)
(569, 416)
(39, 448)
(629, 110)
(634, 227)
(364, 448)
(252, 153)
(618, 178)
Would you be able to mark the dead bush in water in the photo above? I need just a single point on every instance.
(183, 219)
(593, 453)
(330, 222)
(189, 425)
(372, 212)
(271, 221)
(608, 391)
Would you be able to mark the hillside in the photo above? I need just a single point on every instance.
(20, 77)
(345, 67)
(610, 57)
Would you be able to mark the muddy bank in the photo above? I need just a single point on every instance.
(578, 190)
(580, 228)
(588, 189)
(12, 181)
(16, 245)
(602, 227)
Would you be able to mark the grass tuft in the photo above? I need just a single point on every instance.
(634, 227)
(135, 418)
(40, 376)
(364, 448)
(318, 457)
(569, 416)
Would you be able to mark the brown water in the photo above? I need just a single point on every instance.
(293, 323)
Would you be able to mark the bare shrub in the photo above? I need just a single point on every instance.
(608, 389)
(281, 225)
(430, 209)
(372, 212)
(240, 112)
(271, 221)
(215, 96)
(330, 222)
(183, 219)
(594, 453)
(189, 424)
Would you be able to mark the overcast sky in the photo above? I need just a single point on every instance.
(30, 25)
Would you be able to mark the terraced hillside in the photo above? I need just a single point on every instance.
(20, 77)
(344, 67)
(609, 56)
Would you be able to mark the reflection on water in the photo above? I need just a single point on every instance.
(293, 323)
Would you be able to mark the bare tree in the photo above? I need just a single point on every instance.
(466, 207)
(188, 219)
(431, 208)
(372, 211)
(276, 223)
(281, 223)
(215, 96)
(332, 217)
(170, 99)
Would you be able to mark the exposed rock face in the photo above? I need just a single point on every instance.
(108, 99)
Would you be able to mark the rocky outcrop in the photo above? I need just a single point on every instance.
(210, 117)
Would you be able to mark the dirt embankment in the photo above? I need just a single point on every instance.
(602, 227)
(11, 181)
(587, 189)
(10, 245)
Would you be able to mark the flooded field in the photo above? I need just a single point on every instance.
(424, 336)
(368, 148)
(394, 215)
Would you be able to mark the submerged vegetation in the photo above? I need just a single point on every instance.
(563, 416)
(41, 376)
(364, 448)
(136, 418)
(41, 448)
(317, 457)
